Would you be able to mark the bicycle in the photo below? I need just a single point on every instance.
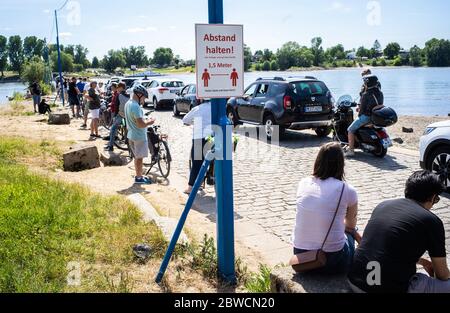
(210, 177)
(159, 150)
(105, 116)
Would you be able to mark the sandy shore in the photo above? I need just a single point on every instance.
(418, 124)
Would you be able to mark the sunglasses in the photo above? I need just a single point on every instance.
(437, 199)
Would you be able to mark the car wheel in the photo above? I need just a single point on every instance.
(269, 127)
(156, 105)
(439, 163)
(175, 110)
(323, 131)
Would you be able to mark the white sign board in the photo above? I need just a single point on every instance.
(220, 60)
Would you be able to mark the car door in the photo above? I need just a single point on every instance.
(184, 99)
(258, 102)
(243, 108)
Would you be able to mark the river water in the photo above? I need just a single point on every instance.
(410, 91)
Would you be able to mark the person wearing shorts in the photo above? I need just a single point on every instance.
(94, 109)
(137, 131)
(74, 101)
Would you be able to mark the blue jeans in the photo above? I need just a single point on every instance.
(337, 262)
(36, 99)
(116, 123)
(358, 123)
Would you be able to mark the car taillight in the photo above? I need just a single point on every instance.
(161, 90)
(287, 102)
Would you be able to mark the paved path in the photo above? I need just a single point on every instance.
(266, 176)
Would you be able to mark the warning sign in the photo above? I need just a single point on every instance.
(220, 60)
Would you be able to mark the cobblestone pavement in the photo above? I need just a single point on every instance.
(266, 176)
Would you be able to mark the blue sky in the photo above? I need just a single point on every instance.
(103, 25)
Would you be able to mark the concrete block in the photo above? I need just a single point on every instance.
(81, 158)
(285, 280)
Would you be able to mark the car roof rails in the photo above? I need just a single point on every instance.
(303, 76)
(271, 78)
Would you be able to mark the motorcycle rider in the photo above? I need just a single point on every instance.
(372, 98)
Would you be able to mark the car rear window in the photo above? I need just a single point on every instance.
(172, 84)
(309, 89)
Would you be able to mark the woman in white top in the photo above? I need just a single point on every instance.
(317, 200)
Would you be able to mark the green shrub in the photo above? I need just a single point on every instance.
(258, 67)
(46, 89)
(266, 66)
(398, 61)
(374, 62)
(260, 282)
(274, 65)
(78, 68)
(383, 62)
(18, 96)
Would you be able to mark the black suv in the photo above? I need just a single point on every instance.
(291, 103)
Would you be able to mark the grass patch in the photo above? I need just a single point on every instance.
(46, 224)
(259, 282)
(44, 153)
(18, 108)
(173, 70)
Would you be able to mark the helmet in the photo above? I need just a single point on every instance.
(371, 81)
(140, 89)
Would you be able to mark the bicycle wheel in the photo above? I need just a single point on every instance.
(105, 119)
(164, 159)
(121, 141)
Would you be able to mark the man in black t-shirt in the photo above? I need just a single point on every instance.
(74, 101)
(395, 239)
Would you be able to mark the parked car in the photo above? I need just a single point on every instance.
(435, 150)
(144, 82)
(186, 100)
(291, 103)
(164, 91)
(129, 81)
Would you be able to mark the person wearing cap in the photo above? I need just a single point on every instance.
(371, 99)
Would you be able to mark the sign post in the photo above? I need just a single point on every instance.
(219, 76)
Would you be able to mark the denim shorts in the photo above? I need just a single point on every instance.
(358, 123)
(337, 262)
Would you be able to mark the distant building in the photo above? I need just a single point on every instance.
(351, 56)
(404, 54)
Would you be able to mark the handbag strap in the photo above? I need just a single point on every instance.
(334, 218)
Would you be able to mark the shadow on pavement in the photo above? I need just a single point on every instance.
(133, 189)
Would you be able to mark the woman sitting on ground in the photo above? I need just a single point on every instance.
(317, 201)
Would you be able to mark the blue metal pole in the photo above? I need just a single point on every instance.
(223, 173)
(189, 203)
(61, 83)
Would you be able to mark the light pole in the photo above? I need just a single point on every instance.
(61, 83)
(223, 172)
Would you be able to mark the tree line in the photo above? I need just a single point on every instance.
(436, 53)
(16, 54)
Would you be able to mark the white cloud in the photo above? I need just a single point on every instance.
(172, 27)
(339, 7)
(143, 16)
(6, 29)
(46, 11)
(141, 29)
(65, 35)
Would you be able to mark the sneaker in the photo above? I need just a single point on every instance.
(106, 138)
(92, 137)
(349, 153)
(83, 126)
(142, 181)
(108, 148)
